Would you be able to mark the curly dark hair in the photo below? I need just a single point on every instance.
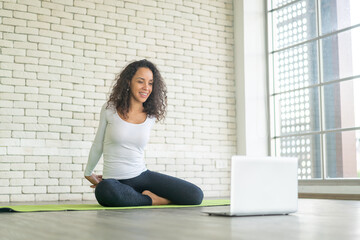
(155, 105)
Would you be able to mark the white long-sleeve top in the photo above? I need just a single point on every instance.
(122, 145)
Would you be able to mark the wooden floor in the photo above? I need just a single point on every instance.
(316, 219)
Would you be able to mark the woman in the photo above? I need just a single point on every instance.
(138, 98)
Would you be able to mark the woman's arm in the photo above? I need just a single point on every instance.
(94, 179)
(96, 149)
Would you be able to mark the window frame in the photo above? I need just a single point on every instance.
(323, 184)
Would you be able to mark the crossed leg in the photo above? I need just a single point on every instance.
(149, 188)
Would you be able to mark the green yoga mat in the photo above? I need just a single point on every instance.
(88, 207)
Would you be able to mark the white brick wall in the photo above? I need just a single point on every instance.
(58, 61)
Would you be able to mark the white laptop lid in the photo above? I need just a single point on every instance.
(263, 185)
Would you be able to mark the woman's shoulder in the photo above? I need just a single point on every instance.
(151, 119)
(108, 109)
(108, 106)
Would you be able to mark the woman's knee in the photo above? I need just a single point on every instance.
(104, 191)
(193, 195)
(196, 195)
(105, 185)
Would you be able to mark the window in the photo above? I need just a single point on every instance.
(314, 66)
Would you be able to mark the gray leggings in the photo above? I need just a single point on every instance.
(128, 192)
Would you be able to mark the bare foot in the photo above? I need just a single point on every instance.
(156, 200)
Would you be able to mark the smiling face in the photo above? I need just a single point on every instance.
(141, 85)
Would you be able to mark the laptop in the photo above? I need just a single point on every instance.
(262, 186)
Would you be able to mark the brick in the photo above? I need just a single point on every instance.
(73, 37)
(6, 13)
(50, 62)
(22, 198)
(38, 10)
(72, 23)
(10, 29)
(140, 20)
(22, 134)
(88, 46)
(24, 119)
(4, 58)
(62, 14)
(62, 113)
(84, 4)
(133, 32)
(33, 189)
(4, 198)
(7, 88)
(105, 21)
(22, 182)
(70, 182)
(94, 26)
(48, 19)
(72, 122)
(14, 6)
(81, 189)
(21, 166)
(12, 66)
(58, 189)
(25, 15)
(53, 6)
(46, 197)
(15, 37)
(69, 197)
(57, 128)
(36, 127)
(84, 18)
(51, 34)
(23, 89)
(12, 96)
(62, 28)
(36, 159)
(77, 10)
(38, 24)
(96, 40)
(46, 182)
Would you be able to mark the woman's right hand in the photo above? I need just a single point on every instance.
(94, 179)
